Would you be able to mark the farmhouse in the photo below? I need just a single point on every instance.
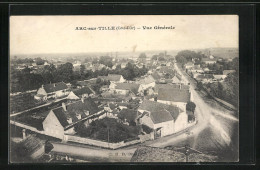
(147, 82)
(209, 60)
(174, 96)
(54, 90)
(162, 118)
(189, 65)
(125, 88)
(60, 121)
(170, 86)
(113, 78)
(205, 78)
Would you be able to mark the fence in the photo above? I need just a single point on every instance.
(98, 143)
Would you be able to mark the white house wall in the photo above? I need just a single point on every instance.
(181, 122)
(52, 126)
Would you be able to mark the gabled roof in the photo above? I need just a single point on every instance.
(111, 77)
(30, 145)
(160, 112)
(82, 83)
(73, 109)
(128, 114)
(156, 76)
(84, 90)
(205, 76)
(55, 87)
(128, 86)
(189, 64)
(175, 95)
(167, 69)
(169, 86)
(147, 80)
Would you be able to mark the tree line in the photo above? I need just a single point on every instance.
(23, 80)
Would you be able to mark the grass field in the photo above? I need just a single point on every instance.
(22, 102)
(109, 130)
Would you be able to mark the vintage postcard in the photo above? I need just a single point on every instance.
(124, 88)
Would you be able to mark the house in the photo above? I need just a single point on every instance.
(147, 82)
(226, 72)
(170, 86)
(219, 77)
(166, 69)
(176, 80)
(31, 147)
(113, 78)
(84, 92)
(125, 88)
(54, 90)
(79, 93)
(205, 78)
(189, 65)
(129, 116)
(61, 120)
(162, 118)
(174, 96)
(209, 60)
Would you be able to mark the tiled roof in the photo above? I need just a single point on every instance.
(147, 80)
(128, 86)
(128, 114)
(160, 112)
(111, 77)
(30, 145)
(169, 86)
(205, 76)
(84, 90)
(156, 76)
(82, 83)
(75, 108)
(175, 95)
(55, 87)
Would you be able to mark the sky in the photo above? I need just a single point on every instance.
(57, 34)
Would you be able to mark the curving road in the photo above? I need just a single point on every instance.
(216, 132)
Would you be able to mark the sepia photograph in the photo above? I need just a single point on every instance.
(123, 88)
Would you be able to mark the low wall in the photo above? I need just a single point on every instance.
(98, 143)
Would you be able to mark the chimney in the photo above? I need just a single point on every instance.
(24, 133)
(64, 106)
(155, 99)
(42, 85)
(82, 99)
(54, 85)
(180, 86)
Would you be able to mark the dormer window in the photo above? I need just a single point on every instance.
(78, 116)
(69, 120)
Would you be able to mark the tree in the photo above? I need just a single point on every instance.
(155, 57)
(191, 106)
(39, 61)
(161, 58)
(82, 69)
(142, 55)
(199, 86)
